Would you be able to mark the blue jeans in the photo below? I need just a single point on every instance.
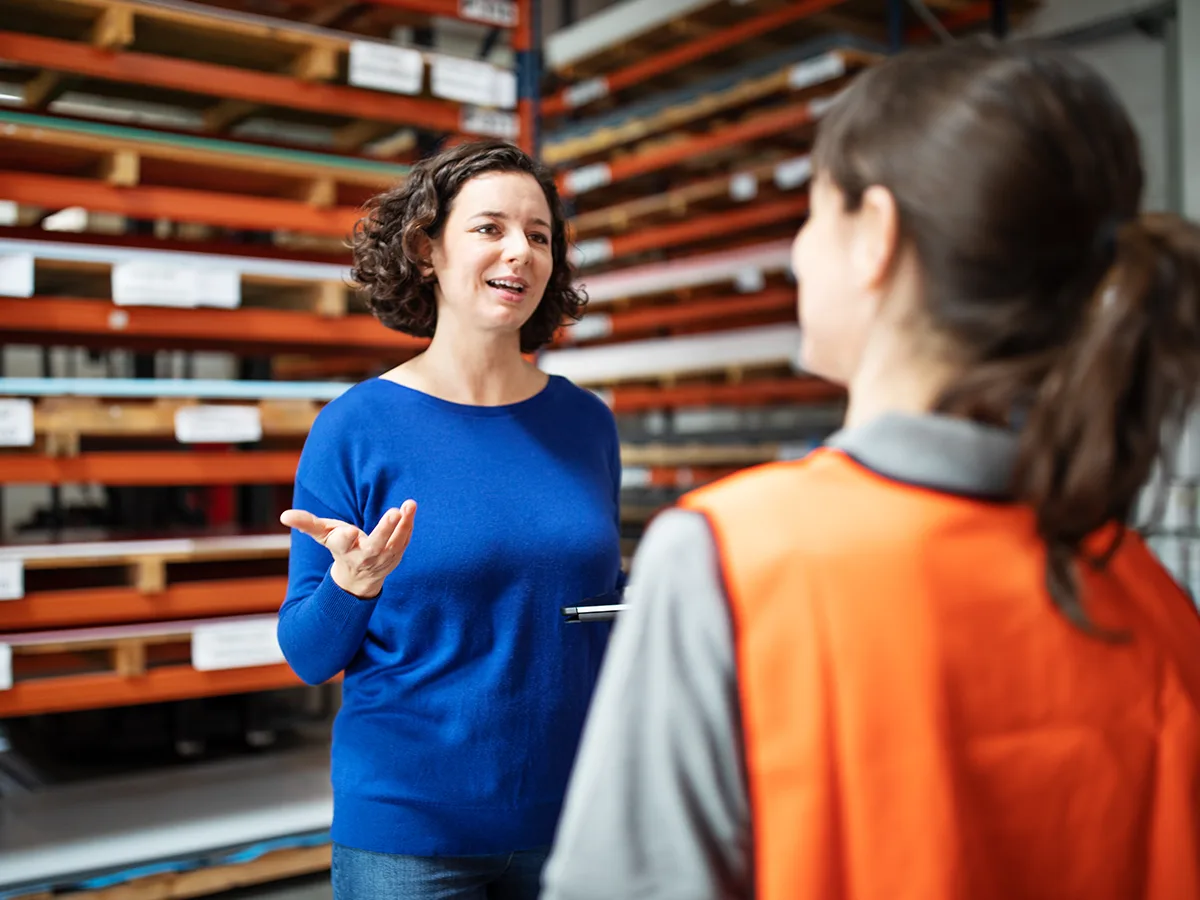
(364, 875)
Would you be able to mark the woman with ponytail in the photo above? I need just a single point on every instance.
(931, 660)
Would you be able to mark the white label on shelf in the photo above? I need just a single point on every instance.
(10, 212)
(152, 284)
(585, 253)
(588, 178)
(743, 186)
(400, 70)
(748, 281)
(591, 326)
(5, 667)
(12, 579)
(217, 287)
(633, 477)
(494, 12)
(16, 422)
(814, 71)
(792, 173)
(16, 275)
(472, 81)
(217, 424)
(586, 91)
(475, 120)
(235, 645)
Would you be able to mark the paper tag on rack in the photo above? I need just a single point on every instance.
(743, 186)
(16, 422)
(634, 477)
(825, 67)
(235, 645)
(221, 288)
(12, 579)
(10, 212)
(472, 81)
(586, 253)
(151, 284)
(493, 12)
(591, 326)
(16, 275)
(792, 173)
(588, 178)
(586, 91)
(400, 70)
(749, 281)
(217, 424)
(475, 120)
(6, 679)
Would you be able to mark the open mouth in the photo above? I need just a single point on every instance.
(513, 287)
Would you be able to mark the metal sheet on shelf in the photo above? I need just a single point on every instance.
(128, 821)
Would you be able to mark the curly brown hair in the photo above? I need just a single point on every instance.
(387, 241)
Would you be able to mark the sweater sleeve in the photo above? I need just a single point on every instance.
(321, 626)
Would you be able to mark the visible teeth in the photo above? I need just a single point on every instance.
(507, 284)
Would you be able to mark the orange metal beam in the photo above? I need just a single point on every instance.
(748, 393)
(794, 115)
(97, 691)
(724, 222)
(39, 610)
(653, 66)
(246, 327)
(225, 81)
(182, 204)
(635, 321)
(148, 468)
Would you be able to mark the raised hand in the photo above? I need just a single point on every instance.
(361, 561)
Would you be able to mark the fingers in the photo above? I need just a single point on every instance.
(318, 529)
(398, 540)
(380, 539)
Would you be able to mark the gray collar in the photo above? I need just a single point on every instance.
(937, 452)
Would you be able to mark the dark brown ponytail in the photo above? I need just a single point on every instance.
(1123, 386)
(1075, 319)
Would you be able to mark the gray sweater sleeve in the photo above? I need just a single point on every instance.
(658, 805)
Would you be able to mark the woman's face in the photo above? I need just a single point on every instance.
(493, 259)
(835, 309)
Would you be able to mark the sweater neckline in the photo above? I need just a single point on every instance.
(468, 409)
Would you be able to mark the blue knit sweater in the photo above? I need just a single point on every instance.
(464, 692)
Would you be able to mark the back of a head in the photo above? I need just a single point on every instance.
(1072, 316)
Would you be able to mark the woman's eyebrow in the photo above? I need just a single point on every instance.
(494, 214)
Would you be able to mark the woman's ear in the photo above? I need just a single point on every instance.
(424, 253)
(876, 238)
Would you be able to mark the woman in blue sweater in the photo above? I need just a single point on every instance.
(464, 692)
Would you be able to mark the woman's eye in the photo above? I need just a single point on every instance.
(538, 238)
(487, 229)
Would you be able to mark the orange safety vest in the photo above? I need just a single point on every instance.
(920, 722)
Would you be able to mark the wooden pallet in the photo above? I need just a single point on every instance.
(225, 68)
(202, 882)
